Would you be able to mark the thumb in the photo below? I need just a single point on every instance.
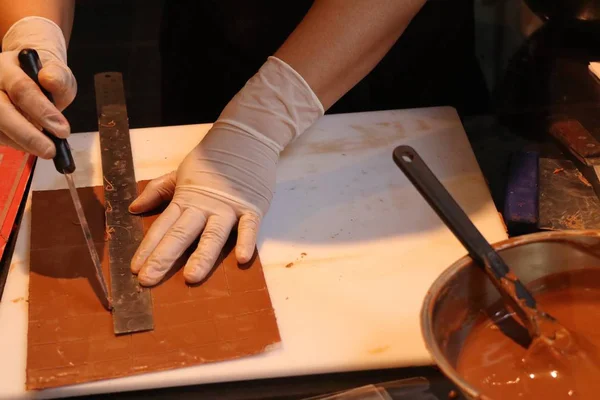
(246, 240)
(58, 79)
(158, 191)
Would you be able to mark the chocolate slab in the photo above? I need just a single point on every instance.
(70, 338)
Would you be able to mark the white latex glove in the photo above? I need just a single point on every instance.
(23, 107)
(228, 176)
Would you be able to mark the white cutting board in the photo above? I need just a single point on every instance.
(373, 245)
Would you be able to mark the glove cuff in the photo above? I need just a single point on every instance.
(276, 105)
(37, 33)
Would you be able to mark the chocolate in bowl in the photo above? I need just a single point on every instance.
(462, 297)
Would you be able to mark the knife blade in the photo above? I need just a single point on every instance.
(63, 162)
(580, 147)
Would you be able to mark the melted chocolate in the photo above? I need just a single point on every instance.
(563, 363)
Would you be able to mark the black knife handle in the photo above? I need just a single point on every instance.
(442, 202)
(31, 65)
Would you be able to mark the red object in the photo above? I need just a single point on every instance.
(15, 169)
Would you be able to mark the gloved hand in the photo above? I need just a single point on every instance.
(228, 176)
(23, 107)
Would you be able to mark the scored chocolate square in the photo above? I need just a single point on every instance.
(70, 338)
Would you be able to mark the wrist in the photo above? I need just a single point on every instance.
(38, 33)
(275, 106)
(246, 163)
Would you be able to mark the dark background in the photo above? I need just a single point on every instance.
(182, 60)
(122, 36)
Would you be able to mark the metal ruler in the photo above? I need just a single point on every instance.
(132, 304)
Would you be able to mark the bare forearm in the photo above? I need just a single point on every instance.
(340, 41)
(59, 11)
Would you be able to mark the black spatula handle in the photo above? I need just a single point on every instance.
(415, 169)
(31, 65)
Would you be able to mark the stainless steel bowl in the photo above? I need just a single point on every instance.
(457, 297)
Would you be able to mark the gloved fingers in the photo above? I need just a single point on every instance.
(6, 141)
(157, 192)
(58, 79)
(246, 239)
(175, 242)
(213, 239)
(16, 127)
(29, 99)
(155, 234)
